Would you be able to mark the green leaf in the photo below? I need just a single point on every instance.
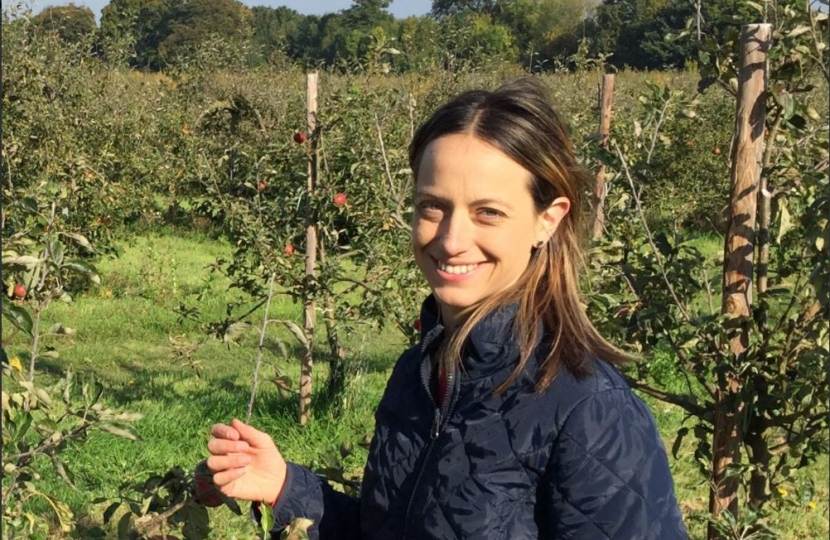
(64, 514)
(297, 331)
(26, 261)
(197, 522)
(23, 426)
(805, 494)
(57, 250)
(84, 268)
(30, 204)
(267, 521)
(81, 240)
(785, 222)
(126, 432)
(235, 331)
(64, 472)
(230, 503)
(60, 330)
(785, 100)
(108, 513)
(813, 114)
(19, 317)
(124, 526)
(798, 30)
(756, 7)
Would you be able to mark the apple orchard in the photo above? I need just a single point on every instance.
(290, 288)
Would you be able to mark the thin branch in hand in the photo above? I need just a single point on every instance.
(259, 349)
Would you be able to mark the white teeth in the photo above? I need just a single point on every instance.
(463, 269)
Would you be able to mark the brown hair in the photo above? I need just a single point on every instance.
(518, 119)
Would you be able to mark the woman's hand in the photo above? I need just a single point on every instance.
(245, 463)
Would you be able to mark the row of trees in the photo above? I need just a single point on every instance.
(541, 34)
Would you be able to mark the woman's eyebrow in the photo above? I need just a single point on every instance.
(485, 201)
(477, 202)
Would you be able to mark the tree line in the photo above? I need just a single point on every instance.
(542, 35)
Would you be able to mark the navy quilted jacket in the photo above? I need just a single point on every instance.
(582, 460)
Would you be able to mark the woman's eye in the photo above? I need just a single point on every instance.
(490, 213)
(429, 208)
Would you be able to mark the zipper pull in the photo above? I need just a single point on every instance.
(436, 424)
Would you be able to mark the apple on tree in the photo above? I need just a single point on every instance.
(19, 290)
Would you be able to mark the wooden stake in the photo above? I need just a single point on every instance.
(311, 248)
(604, 130)
(738, 261)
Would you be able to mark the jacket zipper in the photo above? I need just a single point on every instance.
(442, 413)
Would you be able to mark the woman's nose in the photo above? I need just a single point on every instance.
(456, 233)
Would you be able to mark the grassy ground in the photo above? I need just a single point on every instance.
(124, 332)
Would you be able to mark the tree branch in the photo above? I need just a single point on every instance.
(149, 527)
(687, 402)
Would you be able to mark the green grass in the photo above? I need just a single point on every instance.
(123, 337)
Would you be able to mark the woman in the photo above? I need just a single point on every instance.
(509, 419)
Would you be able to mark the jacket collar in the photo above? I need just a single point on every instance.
(491, 345)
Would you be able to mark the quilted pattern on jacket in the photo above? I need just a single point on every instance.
(581, 460)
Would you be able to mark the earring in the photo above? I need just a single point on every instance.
(539, 244)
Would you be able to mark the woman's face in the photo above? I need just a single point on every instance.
(475, 222)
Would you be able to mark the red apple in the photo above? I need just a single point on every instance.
(417, 324)
(262, 186)
(340, 199)
(206, 492)
(300, 137)
(717, 151)
(19, 290)
(288, 249)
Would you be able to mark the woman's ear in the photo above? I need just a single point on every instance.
(550, 219)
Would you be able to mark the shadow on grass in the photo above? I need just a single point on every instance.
(88, 527)
(213, 400)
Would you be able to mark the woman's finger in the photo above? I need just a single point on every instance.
(223, 463)
(226, 477)
(224, 446)
(223, 431)
(255, 437)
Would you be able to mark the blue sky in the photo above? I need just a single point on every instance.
(398, 8)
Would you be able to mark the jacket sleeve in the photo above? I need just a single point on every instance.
(306, 495)
(609, 475)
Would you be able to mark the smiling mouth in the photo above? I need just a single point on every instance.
(456, 270)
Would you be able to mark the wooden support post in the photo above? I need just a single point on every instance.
(739, 249)
(604, 130)
(311, 248)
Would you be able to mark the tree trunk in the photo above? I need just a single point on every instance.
(738, 266)
(310, 250)
(604, 129)
(337, 368)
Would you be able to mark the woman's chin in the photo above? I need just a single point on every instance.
(454, 304)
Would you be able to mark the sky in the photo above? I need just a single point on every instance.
(398, 8)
